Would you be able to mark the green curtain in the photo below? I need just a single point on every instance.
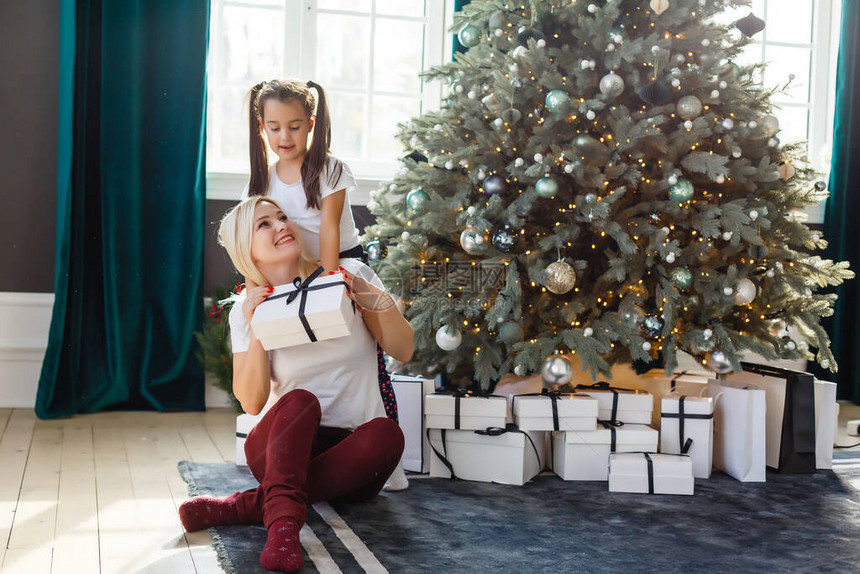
(130, 208)
(458, 5)
(842, 216)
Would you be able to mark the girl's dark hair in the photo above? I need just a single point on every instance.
(315, 158)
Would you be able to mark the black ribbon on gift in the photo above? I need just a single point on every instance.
(650, 464)
(674, 380)
(611, 426)
(553, 396)
(301, 292)
(604, 386)
(489, 431)
(459, 393)
(681, 416)
(797, 439)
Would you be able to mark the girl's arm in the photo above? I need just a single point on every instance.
(252, 379)
(382, 317)
(330, 212)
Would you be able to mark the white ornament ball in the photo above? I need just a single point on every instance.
(538, 157)
(448, 339)
(592, 8)
(707, 334)
(590, 115)
(655, 50)
(706, 42)
(688, 125)
(646, 346)
(498, 123)
(715, 94)
(568, 168)
(745, 292)
(482, 175)
(472, 95)
(721, 179)
(727, 291)
(672, 179)
(753, 215)
(587, 332)
(404, 236)
(541, 43)
(610, 47)
(471, 210)
(520, 371)
(458, 88)
(676, 82)
(670, 257)
(727, 235)
(728, 123)
(556, 370)
(723, 84)
(825, 364)
(519, 52)
(449, 165)
(770, 273)
(519, 162)
(665, 230)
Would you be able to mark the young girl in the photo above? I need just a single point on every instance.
(309, 184)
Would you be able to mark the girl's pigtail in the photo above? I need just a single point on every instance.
(259, 154)
(317, 155)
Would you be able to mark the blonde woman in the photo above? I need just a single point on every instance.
(324, 434)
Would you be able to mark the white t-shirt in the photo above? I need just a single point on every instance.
(341, 372)
(291, 197)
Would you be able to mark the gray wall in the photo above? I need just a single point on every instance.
(29, 63)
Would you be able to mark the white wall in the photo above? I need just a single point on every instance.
(25, 321)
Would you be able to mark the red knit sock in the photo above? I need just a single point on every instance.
(205, 511)
(283, 551)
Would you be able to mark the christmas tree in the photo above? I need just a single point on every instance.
(602, 180)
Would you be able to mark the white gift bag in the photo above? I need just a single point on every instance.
(790, 418)
(409, 392)
(739, 429)
(826, 417)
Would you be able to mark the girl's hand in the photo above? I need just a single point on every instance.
(367, 296)
(253, 298)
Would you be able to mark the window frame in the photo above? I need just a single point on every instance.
(300, 61)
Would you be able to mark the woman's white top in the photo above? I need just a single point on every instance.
(291, 197)
(341, 372)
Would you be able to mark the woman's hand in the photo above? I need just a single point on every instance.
(254, 297)
(367, 296)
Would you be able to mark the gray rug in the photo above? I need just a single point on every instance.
(792, 523)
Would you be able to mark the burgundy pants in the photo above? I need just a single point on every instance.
(297, 462)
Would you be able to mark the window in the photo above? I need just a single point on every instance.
(367, 54)
(800, 41)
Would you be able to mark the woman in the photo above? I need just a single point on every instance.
(324, 434)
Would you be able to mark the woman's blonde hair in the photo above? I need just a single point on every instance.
(235, 233)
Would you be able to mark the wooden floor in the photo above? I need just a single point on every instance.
(98, 493)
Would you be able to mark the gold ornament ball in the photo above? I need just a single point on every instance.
(560, 277)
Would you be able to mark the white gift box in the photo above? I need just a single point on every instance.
(327, 312)
(624, 405)
(739, 429)
(651, 473)
(453, 411)
(826, 417)
(244, 424)
(656, 382)
(689, 421)
(789, 416)
(409, 392)
(584, 455)
(572, 412)
(513, 457)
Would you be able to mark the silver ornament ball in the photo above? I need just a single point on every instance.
(448, 339)
(718, 362)
(559, 277)
(556, 370)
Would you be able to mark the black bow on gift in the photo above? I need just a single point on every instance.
(302, 288)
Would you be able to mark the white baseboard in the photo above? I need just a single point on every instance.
(25, 323)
